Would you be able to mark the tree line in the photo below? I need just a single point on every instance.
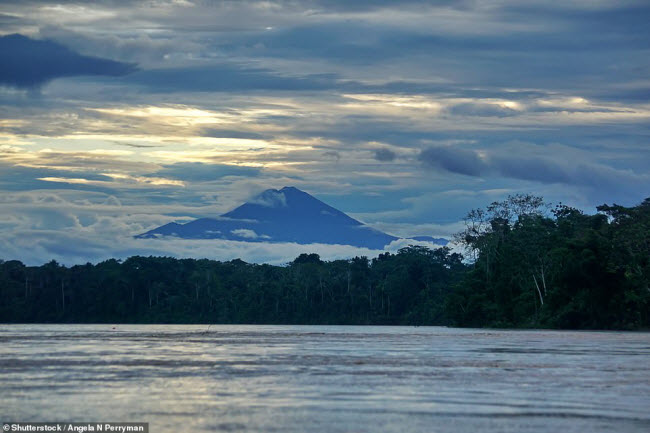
(525, 264)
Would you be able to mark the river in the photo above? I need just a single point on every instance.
(232, 378)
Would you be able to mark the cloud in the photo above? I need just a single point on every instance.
(200, 172)
(333, 154)
(248, 234)
(142, 48)
(270, 198)
(229, 133)
(607, 180)
(19, 178)
(384, 155)
(26, 62)
(73, 228)
(227, 77)
(70, 247)
(482, 110)
(454, 160)
(265, 94)
(536, 168)
(36, 247)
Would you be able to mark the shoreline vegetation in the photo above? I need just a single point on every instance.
(526, 265)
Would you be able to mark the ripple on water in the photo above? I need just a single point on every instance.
(327, 378)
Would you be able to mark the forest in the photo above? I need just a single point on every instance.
(524, 264)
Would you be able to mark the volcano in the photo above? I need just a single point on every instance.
(285, 215)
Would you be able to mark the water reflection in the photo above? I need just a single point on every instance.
(338, 378)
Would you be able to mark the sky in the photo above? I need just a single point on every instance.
(119, 116)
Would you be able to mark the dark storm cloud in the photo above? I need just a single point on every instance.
(384, 155)
(547, 170)
(26, 62)
(542, 169)
(452, 159)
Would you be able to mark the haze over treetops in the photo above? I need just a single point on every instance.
(530, 266)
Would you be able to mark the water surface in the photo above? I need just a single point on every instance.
(326, 378)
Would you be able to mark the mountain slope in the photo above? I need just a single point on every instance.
(286, 215)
